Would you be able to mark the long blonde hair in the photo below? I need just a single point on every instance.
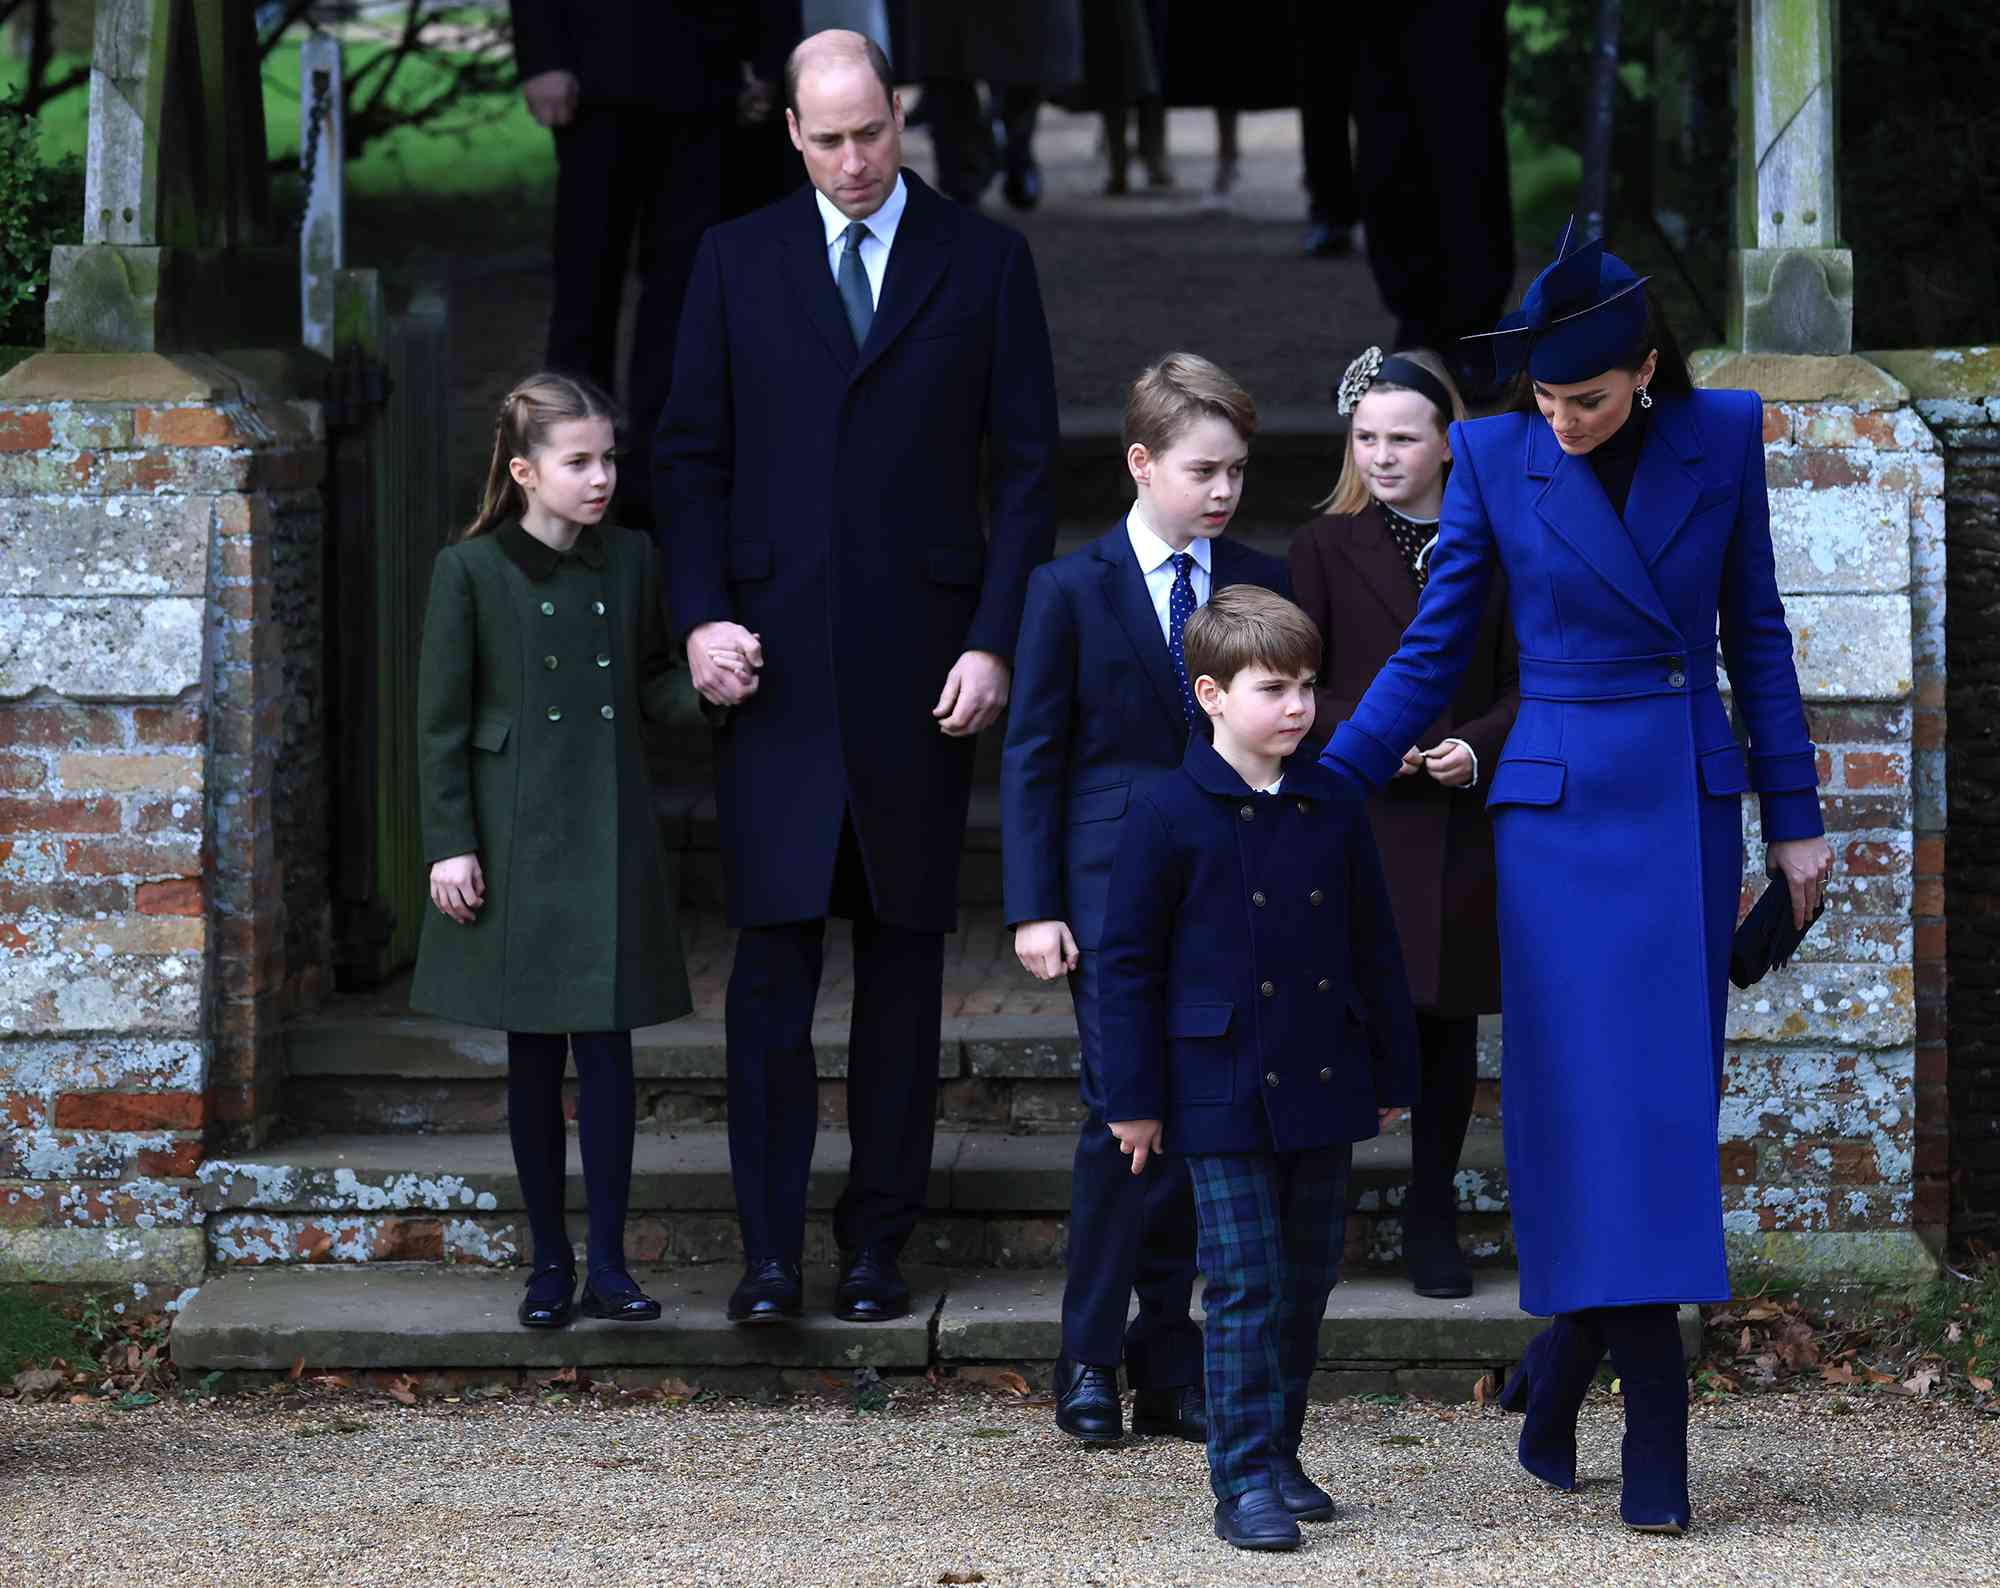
(1351, 494)
(527, 414)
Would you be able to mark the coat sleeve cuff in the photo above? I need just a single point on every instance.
(1792, 813)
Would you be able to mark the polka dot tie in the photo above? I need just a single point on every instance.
(1180, 606)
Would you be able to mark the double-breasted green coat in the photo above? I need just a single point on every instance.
(538, 669)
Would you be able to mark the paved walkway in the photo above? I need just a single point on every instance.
(954, 1487)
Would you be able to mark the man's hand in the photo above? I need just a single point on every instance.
(974, 694)
(1138, 1139)
(1451, 763)
(1805, 864)
(1385, 1117)
(1045, 949)
(458, 887)
(552, 97)
(1413, 762)
(724, 658)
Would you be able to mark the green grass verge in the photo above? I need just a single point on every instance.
(32, 1332)
(1959, 1320)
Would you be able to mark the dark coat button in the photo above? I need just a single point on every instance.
(1247, 813)
(1316, 896)
(1325, 985)
(597, 607)
(1257, 899)
(606, 713)
(549, 662)
(548, 609)
(1270, 1077)
(1303, 807)
(1326, 1075)
(603, 660)
(1676, 680)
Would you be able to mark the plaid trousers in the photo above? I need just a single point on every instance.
(1271, 1228)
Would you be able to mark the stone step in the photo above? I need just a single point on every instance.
(1376, 1335)
(994, 1200)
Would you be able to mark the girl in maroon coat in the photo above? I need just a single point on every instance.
(1358, 569)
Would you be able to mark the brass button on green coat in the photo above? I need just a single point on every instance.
(578, 931)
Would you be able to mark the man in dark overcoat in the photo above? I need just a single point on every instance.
(863, 382)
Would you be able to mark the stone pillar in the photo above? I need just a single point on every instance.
(1829, 1095)
(148, 509)
(1791, 287)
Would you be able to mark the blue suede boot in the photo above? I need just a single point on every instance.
(1554, 1380)
(1645, 1345)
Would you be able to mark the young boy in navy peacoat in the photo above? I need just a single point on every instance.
(1101, 697)
(1256, 1022)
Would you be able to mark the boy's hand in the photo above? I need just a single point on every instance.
(974, 694)
(458, 887)
(1138, 1139)
(1413, 762)
(1385, 1117)
(1450, 763)
(1045, 949)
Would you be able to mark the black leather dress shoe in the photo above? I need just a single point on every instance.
(1437, 1267)
(614, 1295)
(1178, 1413)
(1304, 1498)
(1087, 1402)
(769, 1292)
(551, 1299)
(871, 1288)
(1257, 1520)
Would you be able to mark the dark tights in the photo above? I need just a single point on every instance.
(606, 1115)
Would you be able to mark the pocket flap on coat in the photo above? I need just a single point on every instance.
(1724, 771)
(1098, 804)
(750, 559)
(955, 564)
(1199, 1020)
(1527, 780)
(489, 731)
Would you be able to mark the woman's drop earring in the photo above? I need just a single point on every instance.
(1645, 398)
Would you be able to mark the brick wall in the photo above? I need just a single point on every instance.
(1833, 1119)
(146, 913)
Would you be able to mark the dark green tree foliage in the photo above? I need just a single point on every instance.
(40, 206)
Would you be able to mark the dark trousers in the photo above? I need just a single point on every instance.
(605, 1118)
(1448, 1048)
(1429, 95)
(962, 133)
(620, 174)
(1127, 1232)
(1326, 102)
(1272, 1228)
(892, 1074)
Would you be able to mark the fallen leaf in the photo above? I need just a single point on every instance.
(334, 1381)
(1762, 1312)
(1837, 1373)
(298, 1367)
(677, 1389)
(1983, 1385)
(82, 1400)
(1743, 1341)
(1019, 1386)
(1873, 1377)
(403, 1390)
(1483, 1389)
(1953, 1333)
(1921, 1381)
(967, 1576)
(37, 1382)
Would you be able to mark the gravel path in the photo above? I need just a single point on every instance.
(1817, 1488)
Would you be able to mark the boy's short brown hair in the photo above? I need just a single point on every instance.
(1171, 397)
(1245, 625)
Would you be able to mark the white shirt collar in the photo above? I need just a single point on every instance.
(882, 224)
(1153, 551)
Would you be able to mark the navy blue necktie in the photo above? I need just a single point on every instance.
(855, 298)
(1180, 607)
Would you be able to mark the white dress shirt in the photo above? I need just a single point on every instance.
(876, 245)
(1156, 563)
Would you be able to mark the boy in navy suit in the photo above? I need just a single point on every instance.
(1100, 697)
(1254, 1021)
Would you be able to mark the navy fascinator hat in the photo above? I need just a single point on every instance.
(1584, 314)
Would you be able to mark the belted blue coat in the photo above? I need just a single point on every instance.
(1617, 818)
(1251, 987)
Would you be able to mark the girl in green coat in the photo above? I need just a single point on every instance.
(544, 650)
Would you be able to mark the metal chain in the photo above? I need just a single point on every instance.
(309, 155)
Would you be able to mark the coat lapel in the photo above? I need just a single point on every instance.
(812, 282)
(1578, 513)
(1381, 565)
(1125, 592)
(1666, 485)
(916, 266)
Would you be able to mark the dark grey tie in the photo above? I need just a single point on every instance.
(853, 280)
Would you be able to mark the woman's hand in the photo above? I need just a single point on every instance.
(1450, 763)
(458, 887)
(1805, 864)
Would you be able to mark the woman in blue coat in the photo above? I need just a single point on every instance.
(1628, 513)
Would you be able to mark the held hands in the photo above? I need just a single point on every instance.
(1385, 1117)
(1045, 949)
(975, 693)
(552, 97)
(1450, 764)
(1806, 864)
(458, 887)
(1138, 1139)
(724, 659)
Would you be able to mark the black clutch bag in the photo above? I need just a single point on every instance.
(1767, 938)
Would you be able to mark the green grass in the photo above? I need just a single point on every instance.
(1545, 178)
(31, 1332)
(1959, 1320)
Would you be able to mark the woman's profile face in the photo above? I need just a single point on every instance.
(1584, 414)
